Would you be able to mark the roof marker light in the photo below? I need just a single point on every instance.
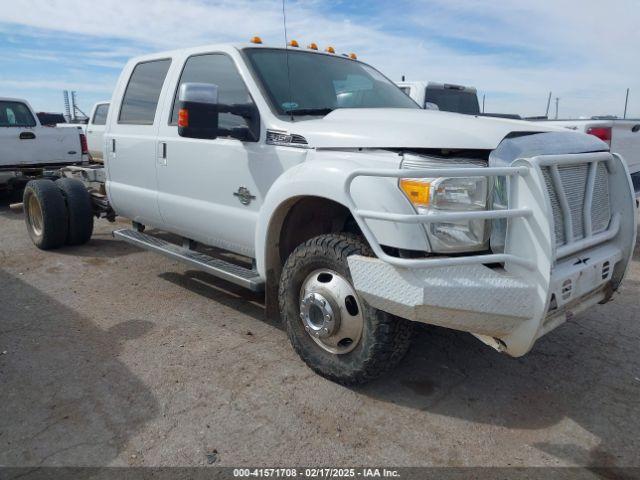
(294, 43)
(257, 40)
(353, 56)
(312, 46)
(330, 50)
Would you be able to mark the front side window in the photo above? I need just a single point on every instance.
(218, 69)
(15, 114)
(100, 117)
(316, 84)
(143, 91)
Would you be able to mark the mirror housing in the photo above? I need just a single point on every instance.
(431, 106)
(198, 110)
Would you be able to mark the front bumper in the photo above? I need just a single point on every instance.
(510, 300)
(488, 302)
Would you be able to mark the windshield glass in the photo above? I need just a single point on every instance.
(322, 83)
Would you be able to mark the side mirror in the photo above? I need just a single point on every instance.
(431, 106)
(198, 110)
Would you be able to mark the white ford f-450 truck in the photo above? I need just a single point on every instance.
(358, 213)
(27, 147)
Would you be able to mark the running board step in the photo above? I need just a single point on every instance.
(242, 276)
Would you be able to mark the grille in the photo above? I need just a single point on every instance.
(574, 183)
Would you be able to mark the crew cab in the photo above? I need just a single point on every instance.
(355, 211)
(26, 145)
(622, 136)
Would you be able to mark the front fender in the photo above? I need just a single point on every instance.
(323, 175)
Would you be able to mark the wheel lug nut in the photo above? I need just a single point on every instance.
(327, 317)
(306, 328)
(302, 315)
(323, 303)
(326, 330)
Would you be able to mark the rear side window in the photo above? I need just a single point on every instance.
(218, 69)
(100, 117)
(143, 91)
(15, 114)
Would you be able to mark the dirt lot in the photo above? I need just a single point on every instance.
(115, 356)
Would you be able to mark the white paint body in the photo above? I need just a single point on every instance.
(190, 192)
(39, 145)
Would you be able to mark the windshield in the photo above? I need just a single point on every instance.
(322, 83)
(453, 100)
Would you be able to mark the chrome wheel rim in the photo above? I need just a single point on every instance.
(34, 210)
(331, 312)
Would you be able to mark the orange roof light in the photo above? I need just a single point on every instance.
(294, 43)
(330, 50)
(257, 40)
(353, 56)
(312, 46)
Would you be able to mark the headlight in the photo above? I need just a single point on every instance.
(430, 196)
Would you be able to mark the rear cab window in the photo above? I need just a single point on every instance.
(453, 100)
(140, 99)
(15, 114)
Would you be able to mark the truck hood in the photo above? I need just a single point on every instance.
(408, 128)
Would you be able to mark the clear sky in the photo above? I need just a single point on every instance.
(586, 51)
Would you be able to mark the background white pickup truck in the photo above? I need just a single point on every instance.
(27, 146)
(25, 143)
(623, 136)
(442, 96)
(93, 129)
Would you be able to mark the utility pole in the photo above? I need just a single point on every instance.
(626, 102)
(546, 113)
(483, 98)
(557, 102)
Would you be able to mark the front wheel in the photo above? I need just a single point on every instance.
(334, 331)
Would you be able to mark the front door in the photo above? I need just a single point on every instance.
(211, 190)
(18, 137)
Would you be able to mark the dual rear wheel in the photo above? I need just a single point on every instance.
(58, 213)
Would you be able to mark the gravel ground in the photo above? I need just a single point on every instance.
(115, 356)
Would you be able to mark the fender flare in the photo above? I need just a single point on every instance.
(308, 179)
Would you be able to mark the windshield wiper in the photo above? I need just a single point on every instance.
(309, 111)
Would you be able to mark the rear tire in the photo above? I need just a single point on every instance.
(309, 272)
(80, 210)
(45, 214)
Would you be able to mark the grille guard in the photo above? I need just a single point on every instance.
(530, 252)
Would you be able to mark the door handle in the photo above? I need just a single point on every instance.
(162, 153)
(89, 131)
(27, 135)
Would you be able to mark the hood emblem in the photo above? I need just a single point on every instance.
(244, 195)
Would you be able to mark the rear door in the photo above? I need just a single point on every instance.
(95, 130)
(131, 144)
(18, 134)
(211, 190)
